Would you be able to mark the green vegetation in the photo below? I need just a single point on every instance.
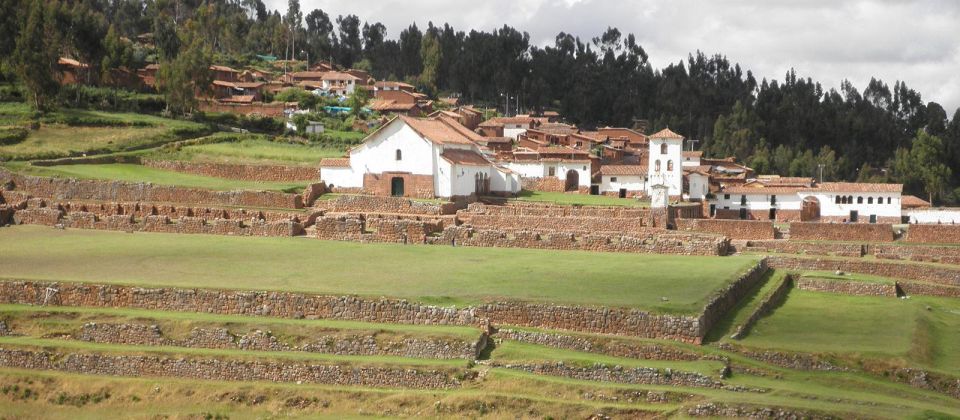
(138, 173)
(439, 274)
(255, 150)
(74, 132)
(579, 199)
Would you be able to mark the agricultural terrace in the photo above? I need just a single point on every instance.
(253, 150)
(129, 172)
(435, 274)
(578, 199)
(74, 132)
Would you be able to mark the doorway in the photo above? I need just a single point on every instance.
(573, 181)
(396, 187)
(773, 214)
(854, 216)
(623, 193)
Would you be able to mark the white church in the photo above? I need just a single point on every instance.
(419, 157)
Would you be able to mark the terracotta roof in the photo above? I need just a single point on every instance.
(498, 139)
(666, 133)
(464, 157)
(64, 61)
(692, 153)
(490, 123)
(248, 85)
(335, 162)
(387, 83)
(307, 74)
(243, 99)
(389, 105)
(222, 68)
(912, 201)
(512, 120)
(553, 150)
(794, 181)
(857, 187)
(745, 190)
(223, 83)
(338, 75)
(623, 170)
(440, 130)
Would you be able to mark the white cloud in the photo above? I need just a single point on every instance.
(912, 40)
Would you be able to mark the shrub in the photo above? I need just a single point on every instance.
(13, 135)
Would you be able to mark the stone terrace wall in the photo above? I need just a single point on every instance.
(841, 232)
(343, 228)
(84, 220)
(944, 234)
(847, 287)
(380, 204)
(773, 299)
(228, 370)
(654, 241)
(949, 276)
(594, 344)
(733, 229)
(140, 210)
(555, 224)
(727, 298)
(619, 374)
(620, 321)
(220, 338)
(928, 289)
(808, 248)
(548, 210)
(926, 253)
(73, 189)
(265, 173)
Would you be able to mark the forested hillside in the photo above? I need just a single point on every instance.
(790, 126)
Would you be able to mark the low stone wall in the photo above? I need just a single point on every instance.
(621, 321)
(74, 189)
(6, 214)
(380, 204)
(141, 210)
(263, 173)
(798, 361)
(928, 289)
(949, 276)
(359, 229)
(942, 234)
(733, 229)
(221, 338)
(717, 410)
(770, 302)
(841, 232)
(555, 224)
(228, 369)
(847, 287)
(727, 298)
(551, 210)
(594, 344)
(85, 220)
(926, 253)
(808, 248)
(619, 374)
(547, 183)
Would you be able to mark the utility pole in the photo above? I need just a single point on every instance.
(820, 165)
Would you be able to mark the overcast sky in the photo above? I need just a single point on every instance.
(917, 41)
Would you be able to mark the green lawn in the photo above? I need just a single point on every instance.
(255, 150)
(578, 199)
(65, 132)
(136, 173)
(433, 274)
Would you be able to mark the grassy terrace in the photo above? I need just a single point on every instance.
(578, 199)
(138, 173)
(255, 150)
(431, 274)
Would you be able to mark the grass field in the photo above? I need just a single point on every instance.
(137, 173)
(255, 150)
(64, 133)
(578, 199)
(433, 274)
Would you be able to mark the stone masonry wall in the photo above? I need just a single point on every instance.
(73, 189)
(773, 299)
(928, 289)
(548, 210)
(417, 186)
(733, 229)
(228, 369)
(340, 344)
(944, 234)
(263, 173)
(140, 210)
(808, 248)
(621, 321)
(841, 232)
(852, 287)
(949, 276)
(595, 344)
(917, 252)
(378, 204)
(555, 224)
(727, 298)
(85, 220)
(619, 374)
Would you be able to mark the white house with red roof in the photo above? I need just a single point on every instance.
(665, 162)
(419, 157)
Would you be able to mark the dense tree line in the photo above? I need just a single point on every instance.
(791, 126)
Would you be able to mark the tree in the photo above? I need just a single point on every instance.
(358, 100)
(36, 53)
(927, 155)
(351, 48)
(293, 19)
(430, 56)
(117, 54)
(188, 74)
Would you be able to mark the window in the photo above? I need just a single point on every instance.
(859, 200)
(869, 200)
(879, 200)
(743, 200)
(579, 144)
(889, 200)
(656, 166)
(399, 155)
(773, 200)
(613, 179)
(663, 148)
(670, 165)
(552, 171)
(837, 199)
(726, 196)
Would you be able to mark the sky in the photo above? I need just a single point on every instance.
(915, 41)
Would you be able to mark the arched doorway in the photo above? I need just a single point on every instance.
(396, 186)
(573, 181)
(810, 209)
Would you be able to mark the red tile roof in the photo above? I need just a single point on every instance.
(857, 187)
(637, 170)
(335, 162)
(464, 157)
(666, 133)
(912, 202)
(338, 75)
(440, 130)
